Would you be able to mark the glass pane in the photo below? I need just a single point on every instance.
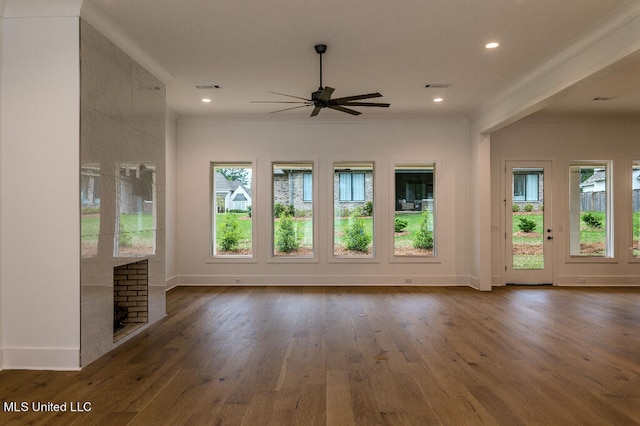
(527, 219)
(353, 209)
(89, 209)
(135, 223)
(635, 189)
(588, 210)
(414, 212)
(232, 219)
(292, 209)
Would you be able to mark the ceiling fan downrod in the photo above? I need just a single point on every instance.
(320, 50)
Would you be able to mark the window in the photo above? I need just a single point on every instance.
(635, 201)
(232, 227)
(135, 221)
(414, 209)
(525, 187)
(292, 209)
(351, 186)
(307, 187)
(353, 209)
(589, 209)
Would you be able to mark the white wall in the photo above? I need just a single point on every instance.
(561, 140)
(445, 140)
(39, 187)
(1, 180)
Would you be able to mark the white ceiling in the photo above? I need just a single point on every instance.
(252, 47)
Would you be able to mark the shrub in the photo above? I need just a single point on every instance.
(515, 208)
(526, 225)
(356, 238)
(367, 209)
(400, 224)
(230, 238)
(423, 239)
(592, 220)
(279, 209)
(528, 208)
(287, 239)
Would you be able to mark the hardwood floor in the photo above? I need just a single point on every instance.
(366, 356)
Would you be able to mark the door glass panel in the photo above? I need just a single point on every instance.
(527, 219)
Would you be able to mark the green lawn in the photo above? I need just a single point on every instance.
(591, 238)
(405, 238)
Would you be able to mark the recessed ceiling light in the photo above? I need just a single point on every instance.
(206, 100)
(437, 100)
(492, 45)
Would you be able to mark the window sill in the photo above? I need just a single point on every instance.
(590, 259)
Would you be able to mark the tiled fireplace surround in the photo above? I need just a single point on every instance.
(122, 122)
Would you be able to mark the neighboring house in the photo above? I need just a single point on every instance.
(595, 183)
(234, 194)
(293, 187)
(414, 189)
(528, 188)
(593, 195)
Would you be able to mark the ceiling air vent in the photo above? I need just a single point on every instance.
(207, 86)
(437, 85)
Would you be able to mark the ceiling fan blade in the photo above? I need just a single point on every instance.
(326, 94)
(315, 111)
(343, 109)
(281, 102)
(367, 104)
(290, 96)
(339, 101)
(287, 109)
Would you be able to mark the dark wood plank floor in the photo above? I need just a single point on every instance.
(365, 356)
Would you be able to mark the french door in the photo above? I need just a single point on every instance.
(528, 229)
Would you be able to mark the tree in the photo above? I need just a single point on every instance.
(239, 174)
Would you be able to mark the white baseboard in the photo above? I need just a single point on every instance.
(325, 280)
(62, 359)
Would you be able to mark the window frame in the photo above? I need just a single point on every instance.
(610, 254)
(394, 164)
(236, 258)
(335, 200)
(313, 257)
(634, 166)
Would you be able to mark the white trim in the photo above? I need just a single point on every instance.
(61, 359)
(608, 43)
(323, 280)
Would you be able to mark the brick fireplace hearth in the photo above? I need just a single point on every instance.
(130, 297)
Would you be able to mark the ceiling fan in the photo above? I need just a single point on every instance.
(321, 98)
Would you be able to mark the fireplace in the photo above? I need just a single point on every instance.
(130, 297)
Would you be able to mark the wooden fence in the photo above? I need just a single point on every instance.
(597, 201)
